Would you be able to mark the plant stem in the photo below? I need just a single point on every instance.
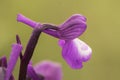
(28, 53)
(38, 28)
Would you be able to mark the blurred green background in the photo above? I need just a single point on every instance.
(102, 34)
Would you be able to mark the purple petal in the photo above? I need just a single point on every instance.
(31, 73)
(75, 52)
(73, 17)
(73, 27)
(70, 29)
(50, 70)
(16, 49)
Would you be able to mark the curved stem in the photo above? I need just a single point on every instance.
(28, 53)
(38, 28)
(53, 31)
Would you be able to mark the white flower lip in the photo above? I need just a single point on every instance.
(83, 49)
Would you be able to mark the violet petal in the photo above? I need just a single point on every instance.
(70, 29)
(75, 52)
(16, 49)
(50, 70)
(73, 27)
(31, 73)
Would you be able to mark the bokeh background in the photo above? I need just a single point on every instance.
(102, 34)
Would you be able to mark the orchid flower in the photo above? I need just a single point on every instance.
(74, 51)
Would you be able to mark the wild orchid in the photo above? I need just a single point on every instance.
(74, 50)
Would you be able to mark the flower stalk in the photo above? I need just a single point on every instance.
(28, 53)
